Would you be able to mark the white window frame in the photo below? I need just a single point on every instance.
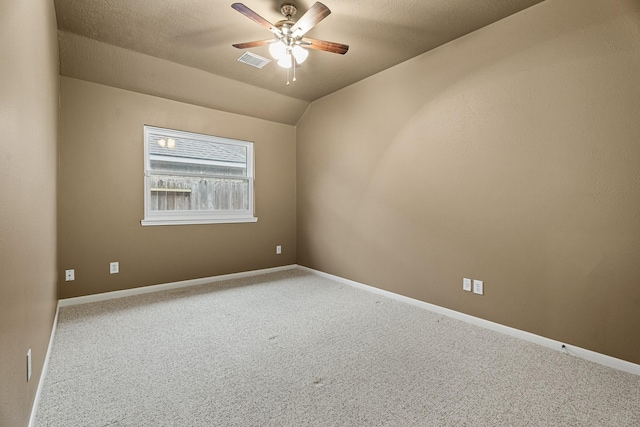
(152, 217)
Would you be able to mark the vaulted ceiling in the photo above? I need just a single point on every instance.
(199, 34)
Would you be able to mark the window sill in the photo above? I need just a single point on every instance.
(165, 221)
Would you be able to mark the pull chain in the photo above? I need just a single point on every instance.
(293, 64)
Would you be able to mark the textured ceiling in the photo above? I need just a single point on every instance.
(199, 34)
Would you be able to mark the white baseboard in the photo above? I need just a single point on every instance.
(592, 356)
(165, 286)
(43, 374)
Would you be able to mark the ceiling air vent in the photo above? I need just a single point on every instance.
(253, 60)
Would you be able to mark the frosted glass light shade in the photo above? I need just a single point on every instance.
(277, 50)
(285, 61)
(300, 53)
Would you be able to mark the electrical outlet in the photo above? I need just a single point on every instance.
(478, 287)
(28, 365)
(466, 284)
(278, 249)
(69, 275)
(114, 268)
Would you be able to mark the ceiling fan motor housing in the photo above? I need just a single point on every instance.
(285, 26)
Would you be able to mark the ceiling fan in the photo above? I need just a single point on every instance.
(289, 44)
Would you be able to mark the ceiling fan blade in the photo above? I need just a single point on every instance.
(325, 45)
(311, 17)
(257, 43)
(255, 17)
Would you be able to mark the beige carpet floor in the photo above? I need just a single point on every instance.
(294, 349)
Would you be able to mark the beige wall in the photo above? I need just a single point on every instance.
(101, 194)
(511, 155)
(28, 120)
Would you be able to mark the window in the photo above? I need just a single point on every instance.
(192, 178)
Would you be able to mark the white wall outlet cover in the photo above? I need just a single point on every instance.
(114, 268)
(478, 287)
(466, 284)
(69, 275)
(278, 249)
